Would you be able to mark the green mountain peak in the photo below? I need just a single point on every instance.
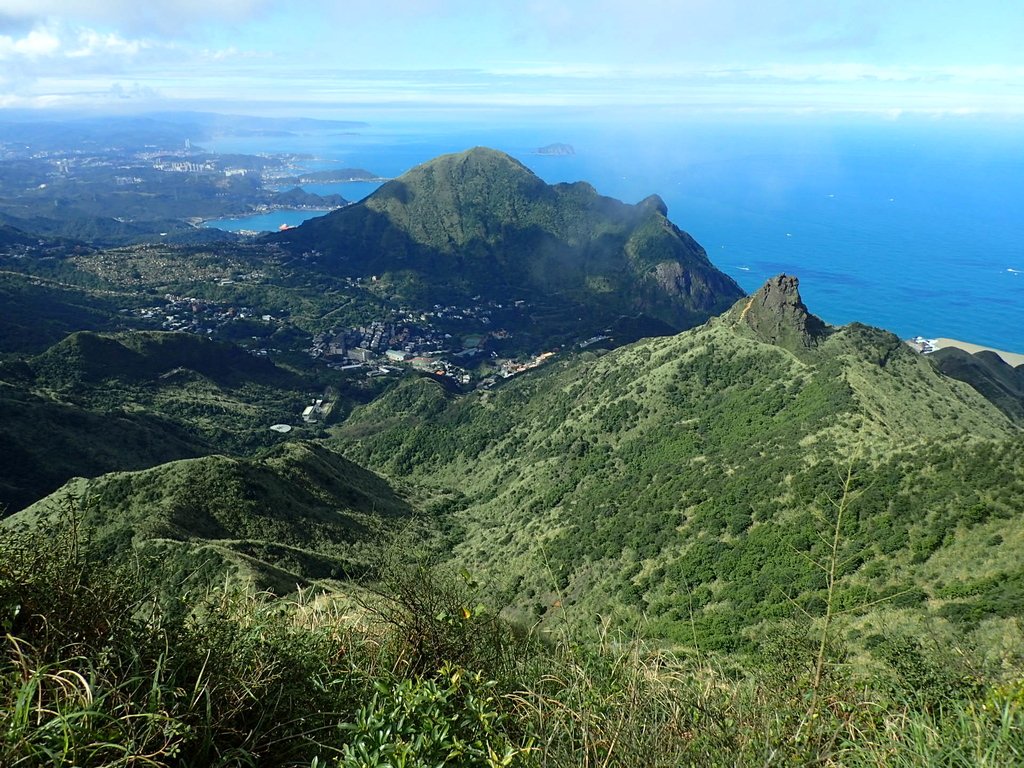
(479, 222)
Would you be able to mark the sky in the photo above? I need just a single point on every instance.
(931, 57)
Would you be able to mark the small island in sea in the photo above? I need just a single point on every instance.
(556, 149)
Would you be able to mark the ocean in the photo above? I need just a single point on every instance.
(916, 226)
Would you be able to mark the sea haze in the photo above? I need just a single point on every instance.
(917, 227)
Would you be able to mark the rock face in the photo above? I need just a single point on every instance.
(777, 315)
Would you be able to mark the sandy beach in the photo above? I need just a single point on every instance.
(1012, 358)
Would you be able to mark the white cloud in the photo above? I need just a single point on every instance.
(823, 73)
(164, 16)
(37, 43)
(93, 43)
(54, 43)
(134, 91)
(854, 72)
(554, 70)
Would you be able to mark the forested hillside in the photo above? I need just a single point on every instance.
(694, 482)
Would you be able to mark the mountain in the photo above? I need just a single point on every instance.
(777, 315)
(299, 198)
(47, 441)
(95, 403)
(989, 374)
(35, 313)
(74, 225)
(479, 223)
(87, 358)
(299, 514)
(693, 482)
(558, 149)
(12, 236)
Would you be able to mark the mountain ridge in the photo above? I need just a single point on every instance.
(998, 381)
(777, 315)
(99, 402)
(626, 477)
(616, 483)
(298, 514)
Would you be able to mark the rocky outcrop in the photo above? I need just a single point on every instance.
(777, 315)
(654, 203)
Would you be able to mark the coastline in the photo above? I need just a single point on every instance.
(1011, 358)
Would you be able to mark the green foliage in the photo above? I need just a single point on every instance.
(38, 313)
(830, 537)
(223, 395)
(933, 682)
(697, 458)
(97, 403)
(94, 673)
(298, 514)
(436, 616)
(452, 719)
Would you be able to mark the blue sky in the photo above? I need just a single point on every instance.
(792, 56)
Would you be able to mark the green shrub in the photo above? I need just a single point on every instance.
(451, 719)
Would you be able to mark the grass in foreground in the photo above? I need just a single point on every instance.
(93, 672)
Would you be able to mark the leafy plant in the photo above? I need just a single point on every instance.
(450, 719)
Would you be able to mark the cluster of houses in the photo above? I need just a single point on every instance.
(409, 340)
(367, 342)
(382, 344)
(183, 166)
(191, 315)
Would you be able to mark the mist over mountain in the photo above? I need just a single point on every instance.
(481, 223)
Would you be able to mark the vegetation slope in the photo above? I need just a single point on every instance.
(701, 483)
(821, 525)
(299, 514)
(999, 382)
(95, 403)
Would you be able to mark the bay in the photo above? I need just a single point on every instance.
(265, 222)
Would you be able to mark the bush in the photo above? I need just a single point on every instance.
(433, 616)
(452, 719)
(94, 673)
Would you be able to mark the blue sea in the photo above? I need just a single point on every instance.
(916, 226)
